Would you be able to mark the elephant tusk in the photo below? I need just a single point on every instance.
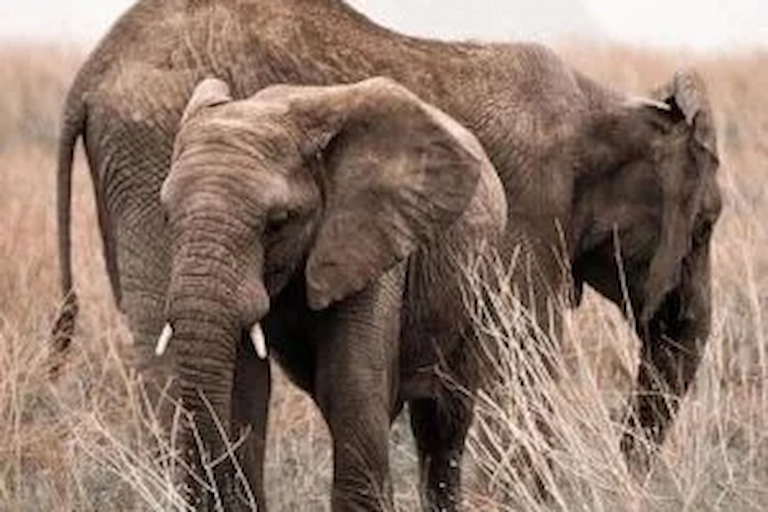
(640, 102)
(165, 338)
(259, 341)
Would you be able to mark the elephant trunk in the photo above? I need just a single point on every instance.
(674, 343)
(216, 294)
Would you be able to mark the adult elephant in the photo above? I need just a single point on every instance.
(339, 218)
(583, 167)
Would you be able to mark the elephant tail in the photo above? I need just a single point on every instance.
(73, 127)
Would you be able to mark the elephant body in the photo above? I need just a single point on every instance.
(582, 167)
(339, 217)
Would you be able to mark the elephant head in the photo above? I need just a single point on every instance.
(653, 210)
(335, 185)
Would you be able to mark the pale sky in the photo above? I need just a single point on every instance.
(703, 24)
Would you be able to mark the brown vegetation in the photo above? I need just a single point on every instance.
(82, 443)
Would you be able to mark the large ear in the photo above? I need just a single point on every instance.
(687, 98)
(397, 172)
(687, 94)
(208, 93)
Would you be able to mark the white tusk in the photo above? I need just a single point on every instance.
(640, 102)
(259, 341)
(165, 338)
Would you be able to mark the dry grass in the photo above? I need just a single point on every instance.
(84, 444)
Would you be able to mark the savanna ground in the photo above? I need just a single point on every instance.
(83, 443)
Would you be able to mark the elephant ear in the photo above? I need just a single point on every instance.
(396, 172)
(687, 98)
(208, 93)
(687, 94)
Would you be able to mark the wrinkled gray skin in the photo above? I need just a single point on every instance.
(295, 208)
(578, 163)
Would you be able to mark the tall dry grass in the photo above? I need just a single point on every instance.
(85, 442)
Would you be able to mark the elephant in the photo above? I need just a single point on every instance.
(585, 170)
(329, 225)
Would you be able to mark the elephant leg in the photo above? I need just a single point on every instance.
(250, 406)
(359, 425)
(440, 424)
(128, 161)
(440, 427)
(354, 388)
(143, 303)
(356, 407)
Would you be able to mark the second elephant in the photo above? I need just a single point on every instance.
(333, 219)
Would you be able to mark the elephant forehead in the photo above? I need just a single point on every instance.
(250, 141)
(240, 161)
(226, 179)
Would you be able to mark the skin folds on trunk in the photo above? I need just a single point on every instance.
(210, 309)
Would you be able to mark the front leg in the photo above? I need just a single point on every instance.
(354, 388)
(440, 428)
(440, 424)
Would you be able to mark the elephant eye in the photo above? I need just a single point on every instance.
(276, 222)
